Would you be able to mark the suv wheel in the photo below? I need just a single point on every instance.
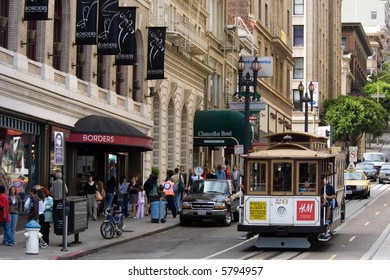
(227, 219)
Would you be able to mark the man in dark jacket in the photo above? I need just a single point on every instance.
(33, 212)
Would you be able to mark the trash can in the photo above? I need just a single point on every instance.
(32, 236)
(158, 211)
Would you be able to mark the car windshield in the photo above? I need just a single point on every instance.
(385, 166)
(354, 176)
(364, 166)
(373, 157)
(210, 187)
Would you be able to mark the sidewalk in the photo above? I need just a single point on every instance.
(90, 240)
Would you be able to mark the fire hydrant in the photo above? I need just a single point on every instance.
(32, 236)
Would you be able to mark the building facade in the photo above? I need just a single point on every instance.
(317, 56)
(114, 119)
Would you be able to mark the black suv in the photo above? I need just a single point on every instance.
(210, 199)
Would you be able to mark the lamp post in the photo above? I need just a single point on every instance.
(247, 82)
(306, 99)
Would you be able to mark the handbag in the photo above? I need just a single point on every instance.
(98, 196)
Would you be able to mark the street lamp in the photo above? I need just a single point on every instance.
(306, 99)
(247, 82)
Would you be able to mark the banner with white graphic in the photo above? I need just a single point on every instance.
(126, 36)
(108, 27)
(36, 10)
(86, 22)
(156, 51)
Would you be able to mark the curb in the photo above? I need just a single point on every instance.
(84, 252)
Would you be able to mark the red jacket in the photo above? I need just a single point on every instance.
(4, 208)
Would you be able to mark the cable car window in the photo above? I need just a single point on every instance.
(282, 177)
(307, 177)
(257, 177)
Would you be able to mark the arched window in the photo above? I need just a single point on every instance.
(57, 44)
(4, 6)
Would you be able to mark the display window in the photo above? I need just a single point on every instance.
(18, 160)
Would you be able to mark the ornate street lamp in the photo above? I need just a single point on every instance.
(247, 82)
(306, 99)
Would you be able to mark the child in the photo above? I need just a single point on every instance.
(141, 203)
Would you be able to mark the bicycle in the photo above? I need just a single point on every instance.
(112, 224)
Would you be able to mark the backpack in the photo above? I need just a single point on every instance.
(180, 186)
(154, 190)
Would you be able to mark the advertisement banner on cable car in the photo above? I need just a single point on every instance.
(286, 210)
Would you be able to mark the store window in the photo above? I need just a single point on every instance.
(18, 161)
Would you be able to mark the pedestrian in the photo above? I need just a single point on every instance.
(211, 174)
(90, 189)
(133, 194)
(220, 172)
(328, 196)
(148, 187)
(141, 203)
(170, 196)
(177, 179)
(14, 204)
(123, 188)
(5, 221)
(111, 189)
(101, 205)
(41, 218)
(236, 174)
(48, 213)
(184, 174)
(33, 205)
(56, 187)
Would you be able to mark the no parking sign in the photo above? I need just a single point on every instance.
(353, 151)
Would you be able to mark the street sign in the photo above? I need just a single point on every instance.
(378, 95)
(238, 149)
(253, 106)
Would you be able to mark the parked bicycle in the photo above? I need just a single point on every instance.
(112, 224)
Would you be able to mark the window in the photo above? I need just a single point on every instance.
(298, 35)
(3, 23)
(296, 100)
(57, 45)
(373, 14)
(307, 177)
(282, 177)
(298, 68)
(257, 177)
(298, 7)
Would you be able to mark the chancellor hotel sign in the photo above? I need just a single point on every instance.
(215, 133)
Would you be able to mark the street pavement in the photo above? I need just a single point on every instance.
(90, 240)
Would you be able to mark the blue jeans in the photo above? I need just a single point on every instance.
(7, 232)
(178, 200)
(110, 199)
(14, 221)
(125, 204)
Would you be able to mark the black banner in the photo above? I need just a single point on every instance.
(86, 22)
(156, 51)
(126, 36)
(36, 10)
(108, 27)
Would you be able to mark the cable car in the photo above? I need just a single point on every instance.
(284, 187)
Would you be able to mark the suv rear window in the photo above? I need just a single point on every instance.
(216, 186)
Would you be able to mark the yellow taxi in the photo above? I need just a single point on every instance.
(356, 183)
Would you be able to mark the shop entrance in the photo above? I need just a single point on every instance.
(100, 165)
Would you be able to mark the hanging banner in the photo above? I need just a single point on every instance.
(156, 51)
(36, 10)
(86, 22)
(108, 27)
(126, 36)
